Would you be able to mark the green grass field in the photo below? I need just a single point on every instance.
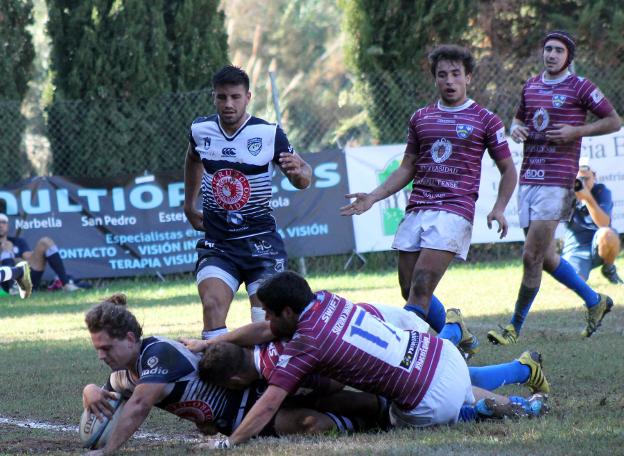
(47, 358)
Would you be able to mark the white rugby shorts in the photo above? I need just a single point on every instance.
(436, 230)
(544, 202)
(449, 390)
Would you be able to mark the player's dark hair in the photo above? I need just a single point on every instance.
(285, 289)
(565, 38)
(451, 53)
(112, 316)
(220, 362)
(230, 75)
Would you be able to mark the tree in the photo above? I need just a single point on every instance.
(16, 57)
(387, 47)
(117, 65)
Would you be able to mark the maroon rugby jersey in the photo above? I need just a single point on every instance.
(343, 341)
(543, 104)
(449, 144)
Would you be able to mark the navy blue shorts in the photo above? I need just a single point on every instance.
(249, 260)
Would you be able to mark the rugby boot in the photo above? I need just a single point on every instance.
(536, 382)
(469, 344)
(609, 271)
(594, 315)
(25, 282)
(507, 336)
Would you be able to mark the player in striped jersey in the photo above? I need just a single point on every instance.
(231, 157)
(424, 377)
(160, 372)
(551, 122)
(445, 145)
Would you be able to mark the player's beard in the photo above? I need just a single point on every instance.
(235, 121)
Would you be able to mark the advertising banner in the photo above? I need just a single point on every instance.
(374, 230)
(128, 226)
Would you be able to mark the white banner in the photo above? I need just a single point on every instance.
(367, 167)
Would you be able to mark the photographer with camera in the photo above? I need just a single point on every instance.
(589, 240)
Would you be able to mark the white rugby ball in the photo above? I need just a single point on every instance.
(93, 432)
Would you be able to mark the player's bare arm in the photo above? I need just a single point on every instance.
(245, 336)
(519, 131)
(133, 415)
(402, 176)
(193, 170)
(563, 133)
(95, 399)
(296, 169)
(508, 180)
(259, 415)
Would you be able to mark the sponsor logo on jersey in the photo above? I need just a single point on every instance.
(207, 140)
(152, 361)
(535, 174)
(196, 411)
(541, 118)
(597, 95)
(154, 371)
(463, 131)
(279, 265)
(558, 100)
(283, 361)
(231, 189)
(235, 218)
(254, 146)
(441, 150)
(412, 344)
(228, 152)
(500, 135)
(261, 246)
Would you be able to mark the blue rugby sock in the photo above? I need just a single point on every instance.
(436, 316)
(452, 332)
(497, 375)
(526, 296)
(566, 275)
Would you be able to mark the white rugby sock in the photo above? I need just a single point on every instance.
(6, 273)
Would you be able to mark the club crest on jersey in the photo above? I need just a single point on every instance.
(541, 118)
(558, 100)
(441, 150)
(254, 146)
(231, 189)
(463, 130)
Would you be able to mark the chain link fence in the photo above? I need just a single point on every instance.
(101, 139)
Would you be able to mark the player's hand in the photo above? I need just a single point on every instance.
(194, 345)
(195, 218)
(362, 203)
(499, 216)
(519, 133)
(296, 169)
(96, 400)
(562, 133)
(583, 194)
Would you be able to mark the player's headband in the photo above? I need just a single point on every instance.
(4, 218)
(566, 39)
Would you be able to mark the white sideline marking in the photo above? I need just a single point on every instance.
(31, 424)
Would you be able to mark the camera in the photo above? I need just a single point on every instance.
(579, 183)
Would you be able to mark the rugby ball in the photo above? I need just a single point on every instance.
(93, 432)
